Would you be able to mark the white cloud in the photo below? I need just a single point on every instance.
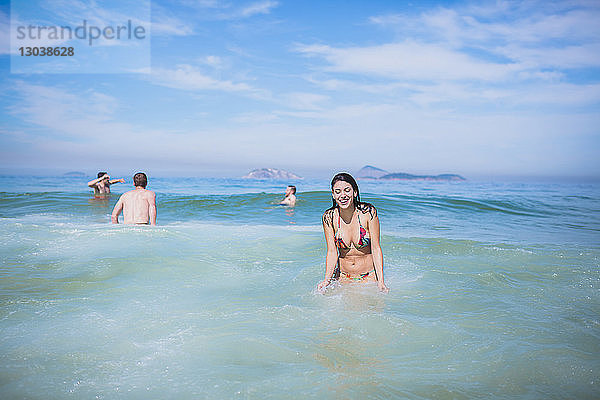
(203, 3)
(545, 35)
(254, 118)
(70, 127)
(214, 62)
(504, 22)
(513, 53)
(541, 25)
(559, 94)
(261, 7)
(305, 101)
(74, 12)
(568, 57)
(457, 90)
(4, 33)
(84, 127)
(343, 115)
(83, 117)
(338, 85)
(187, 77)
(226, 10)
(165, 23)
(409, 60)
(171, 26)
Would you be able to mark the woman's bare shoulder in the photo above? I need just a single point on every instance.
(367, 210)
(328, 217)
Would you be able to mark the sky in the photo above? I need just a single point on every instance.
(218, 88)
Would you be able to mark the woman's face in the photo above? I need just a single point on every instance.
(343, 194)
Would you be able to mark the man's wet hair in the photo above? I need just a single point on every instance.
(102, 174)
(293, 188)
(140, 179)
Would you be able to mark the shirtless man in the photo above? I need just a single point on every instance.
(102, 184)
(290, 197)
(138, 205)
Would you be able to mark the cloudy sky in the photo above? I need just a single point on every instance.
(482, 89)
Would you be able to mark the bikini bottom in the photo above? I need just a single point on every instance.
(344, 276)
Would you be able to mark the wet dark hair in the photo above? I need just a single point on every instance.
(102, 174)
(360, 205)
(140, 179)
(293, 188)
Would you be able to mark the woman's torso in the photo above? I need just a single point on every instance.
(353, 241)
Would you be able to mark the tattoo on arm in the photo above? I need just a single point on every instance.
(368, 208)
(328, 218)
(373, 212)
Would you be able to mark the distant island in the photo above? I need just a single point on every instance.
(370, 172)
(74, 173)
(270, 173)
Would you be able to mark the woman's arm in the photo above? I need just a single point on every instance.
(120, 180)
(377, 252)
(332, 255)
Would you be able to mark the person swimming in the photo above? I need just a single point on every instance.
(290, 196)
(353, 250)
(101, 184)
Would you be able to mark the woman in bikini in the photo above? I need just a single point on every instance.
(352, 235)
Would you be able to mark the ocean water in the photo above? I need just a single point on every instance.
(494, 293)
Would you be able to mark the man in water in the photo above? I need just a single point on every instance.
(138, 205)
(102, 184)
(290, 196)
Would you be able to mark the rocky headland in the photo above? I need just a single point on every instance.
(271, 173)
(370, 172)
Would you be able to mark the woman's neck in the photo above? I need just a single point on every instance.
(347, 213)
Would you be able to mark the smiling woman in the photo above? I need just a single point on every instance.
(352, 235)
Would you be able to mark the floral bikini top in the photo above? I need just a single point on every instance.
(364, 240)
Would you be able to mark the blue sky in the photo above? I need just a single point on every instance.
(482, 89)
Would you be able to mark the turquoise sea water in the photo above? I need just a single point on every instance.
(494, 293)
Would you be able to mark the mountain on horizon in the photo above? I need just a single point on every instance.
(74, 173)
(401, 176)
(270, 173)
(371, 172)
